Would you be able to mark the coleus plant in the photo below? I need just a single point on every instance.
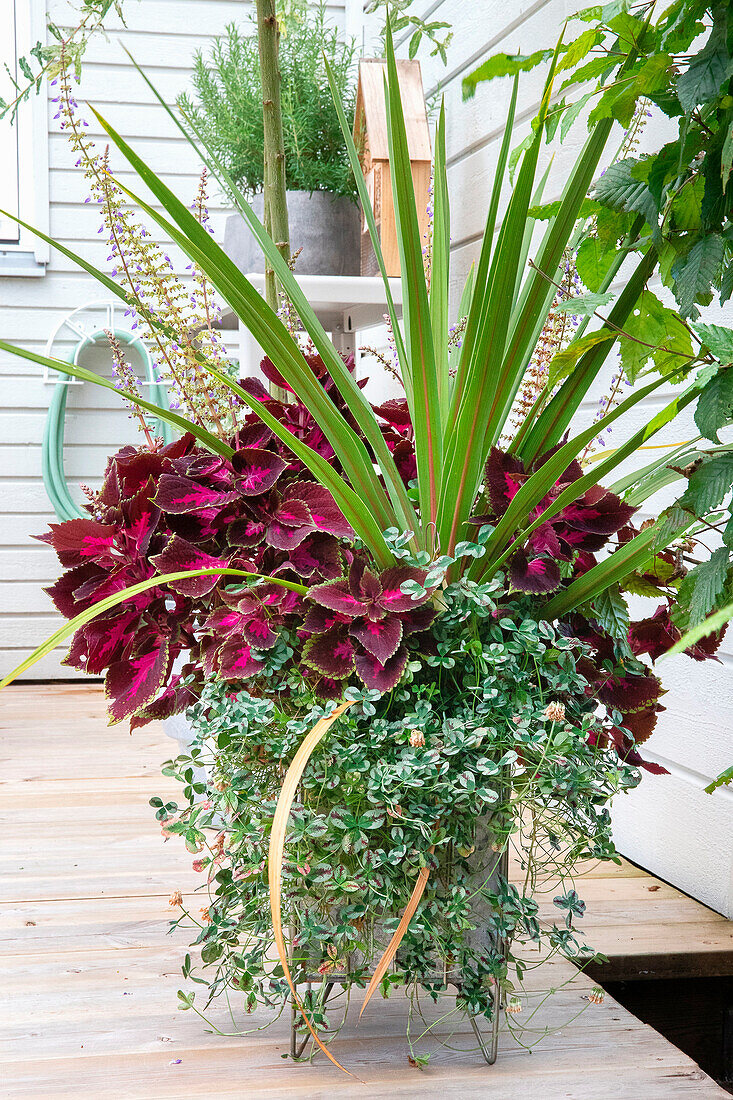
(458, 402)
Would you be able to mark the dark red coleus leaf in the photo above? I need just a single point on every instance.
(80, 540)
(177, 697)
(257, 470)
(178, 494)
(290, 525)
(63, 592)
(545, 541)
(392, 598)
(179, 555)
(236, 660)
(381, 638)
(533, 575)
(105, 639)
(641, 723)
(504, 477)
(318, 619)
(318, 553)
(381, 677)
(331, 653)
(133, 683)
(654, 635)
(418, 619)
(324, 511)
(630, 693)
(396, 412)
(337, 596)
(598, 512)
(247, 532)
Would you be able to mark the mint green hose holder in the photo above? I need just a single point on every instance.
(52, 450)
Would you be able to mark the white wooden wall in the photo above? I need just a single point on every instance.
(163, 36)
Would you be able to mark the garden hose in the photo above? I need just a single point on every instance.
(52, 451)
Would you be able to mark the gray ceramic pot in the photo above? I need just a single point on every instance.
(326, 227)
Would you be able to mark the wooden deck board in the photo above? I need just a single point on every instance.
(89, 973)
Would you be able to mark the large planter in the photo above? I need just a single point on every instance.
(325, 226)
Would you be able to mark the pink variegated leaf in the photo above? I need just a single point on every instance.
(286, 538)
(544, 540)
(318, 554)
(331, 654)
(175, 699)
(319, 619)
(258, 632)
(104, 640)
(381, 639)
(130, 685)
(392, 597)
(141, 517)
(380, 677)
(179, 555)
(236, 660)
(598, 512)
(534, 575)
(505, 475)
(80, 540)
(247, 532)
(337, 597)
(325, 514)
(257, 470)
(420, 618)
(178, 494)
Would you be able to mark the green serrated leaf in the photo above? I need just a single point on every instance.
(694, 275)
(704, 585)
(718, 340)
(707, 70)
(586, 304)
(611, 612)
(594, 260)
(562, 363)
(656, 333)
(709, 485)
(715, 407)
(619, 189)
(503, 64)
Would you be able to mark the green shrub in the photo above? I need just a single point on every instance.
(225, 105)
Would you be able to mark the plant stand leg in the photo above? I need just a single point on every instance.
(296, 1048)
(491, 1050)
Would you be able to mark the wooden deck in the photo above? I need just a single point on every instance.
(89, 975)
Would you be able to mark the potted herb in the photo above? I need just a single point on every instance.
(412, 649)
(225, 109)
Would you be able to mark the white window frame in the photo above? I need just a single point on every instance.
(29, 254)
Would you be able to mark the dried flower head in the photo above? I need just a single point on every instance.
(176, 899)
(514, 1006)
(597, 995)
(206, 915)
(417, 739)
(555, 712)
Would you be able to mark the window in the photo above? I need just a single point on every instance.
(9, 232)
(23, 145)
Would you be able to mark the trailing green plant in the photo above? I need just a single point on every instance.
(418, 780)
(224, 107)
